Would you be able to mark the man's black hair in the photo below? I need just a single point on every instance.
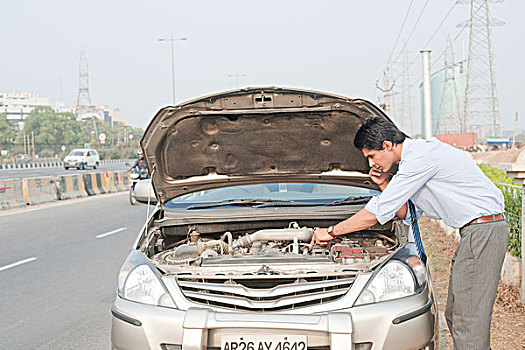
(374, 131)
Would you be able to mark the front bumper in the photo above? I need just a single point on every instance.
(73, 163)
(408, 323)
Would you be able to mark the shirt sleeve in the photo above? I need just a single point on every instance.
(408, 218)
(411, 176)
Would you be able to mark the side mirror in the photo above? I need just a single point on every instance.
(144, 191)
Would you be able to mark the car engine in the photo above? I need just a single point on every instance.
(270, 244)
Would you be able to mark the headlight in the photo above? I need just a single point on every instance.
(394, 280)
(137, 282)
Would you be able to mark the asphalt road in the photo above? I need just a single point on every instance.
(58, 280)
(21, 173)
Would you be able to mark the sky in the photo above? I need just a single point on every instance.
(332, 46)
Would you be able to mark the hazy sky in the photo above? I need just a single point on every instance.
(332, 46)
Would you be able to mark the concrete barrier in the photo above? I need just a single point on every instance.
(70, 187)
(106, 180)
(121, 180)
(111, 181)
(11, 194)
(93, 184)
(39, 189)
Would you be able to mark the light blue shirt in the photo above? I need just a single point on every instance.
(442, 182)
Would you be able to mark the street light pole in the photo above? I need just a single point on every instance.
(236, 76)
(171, 39)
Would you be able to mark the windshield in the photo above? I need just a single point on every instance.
(298, 193)
(76, 153)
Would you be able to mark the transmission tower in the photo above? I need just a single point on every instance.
(450, 117)
(83, 98)
(481, 107)
(407, 124)
(84, 105)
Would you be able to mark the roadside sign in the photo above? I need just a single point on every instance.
(87, 145)
(102, 137)
(130, 137)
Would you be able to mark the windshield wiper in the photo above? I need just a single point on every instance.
(351, 200)
(240, 202)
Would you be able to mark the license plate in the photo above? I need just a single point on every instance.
(264, 342)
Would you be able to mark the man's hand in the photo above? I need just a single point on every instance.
(320, 236)
(378, 176)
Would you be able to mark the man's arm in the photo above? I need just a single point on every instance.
(361, 220)
(383, 207)
(402, 212)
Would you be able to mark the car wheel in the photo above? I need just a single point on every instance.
(132, 199)
(66, 167)
(96, 165)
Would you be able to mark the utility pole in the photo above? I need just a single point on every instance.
(387, 92)
(427, 96)
(387, 97)
(514, 131)
(236, 76)
(171, 39)
(33, 142)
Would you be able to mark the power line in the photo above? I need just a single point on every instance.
(442, 53)
(409, 36)
(413, 29)
(440, 25)
(398, 36)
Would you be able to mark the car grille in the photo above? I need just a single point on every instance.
(264, 293)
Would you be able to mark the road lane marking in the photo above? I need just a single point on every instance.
(111, 232)
(17, 263)
(48, 205)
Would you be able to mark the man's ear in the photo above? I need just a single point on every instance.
(387, 145)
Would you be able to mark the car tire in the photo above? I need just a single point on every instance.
(132, 199)
(66, 167)
(96, 165)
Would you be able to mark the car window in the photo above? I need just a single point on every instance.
(77, 153)
(296, 192)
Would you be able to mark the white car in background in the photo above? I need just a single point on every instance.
(81, 158)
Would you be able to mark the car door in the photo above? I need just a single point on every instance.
(90, 158)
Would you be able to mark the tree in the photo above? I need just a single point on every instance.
(7, 134)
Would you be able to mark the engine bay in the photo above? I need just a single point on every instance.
(207, 245)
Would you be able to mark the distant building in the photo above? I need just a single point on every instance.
(18, 105)
(101, 112)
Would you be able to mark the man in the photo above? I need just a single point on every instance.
(140, 163)
(445, 184)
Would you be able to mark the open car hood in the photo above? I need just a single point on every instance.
(256, 135)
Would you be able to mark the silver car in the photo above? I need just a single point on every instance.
(224, 262)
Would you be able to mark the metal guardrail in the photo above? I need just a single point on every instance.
(513, 209)
(57, 164)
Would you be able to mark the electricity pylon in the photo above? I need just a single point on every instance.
(481, 107)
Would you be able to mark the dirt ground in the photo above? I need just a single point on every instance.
(508, 320)
(489, 157)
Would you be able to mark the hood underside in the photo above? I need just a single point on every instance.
(255, 134)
